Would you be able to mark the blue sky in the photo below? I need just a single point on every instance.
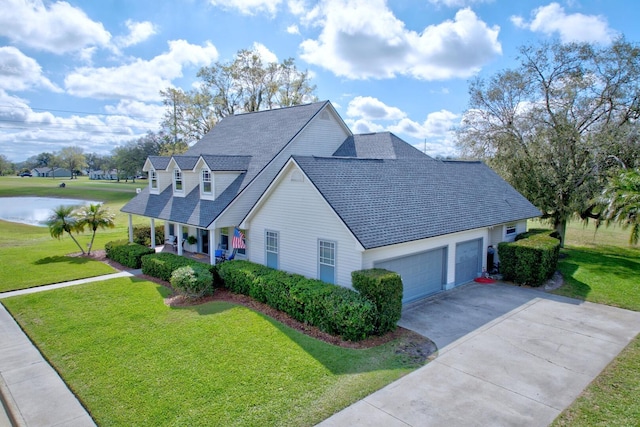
(88, 73)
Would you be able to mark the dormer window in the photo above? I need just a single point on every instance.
(153, 179)
(177, 181)
(206, 183)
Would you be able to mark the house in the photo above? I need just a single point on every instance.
(312, 198)
(51, 172)
(104, 174)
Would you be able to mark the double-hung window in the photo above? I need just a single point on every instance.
(206, 182)
(153, 179)
(177, 181)
(327, 261)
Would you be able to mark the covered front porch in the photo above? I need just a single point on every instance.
(203, 244)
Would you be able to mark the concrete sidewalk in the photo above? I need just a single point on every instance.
(32, 394)
(508, 356)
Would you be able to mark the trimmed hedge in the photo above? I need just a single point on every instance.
(331, 308)
(384, 289)
(162, 264)
(192, 281)
(142, 235)
(128, 254)
(531, 259)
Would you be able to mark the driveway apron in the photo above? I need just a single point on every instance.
(508, 356)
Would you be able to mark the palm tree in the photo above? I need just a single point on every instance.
(63, 219)
(95, 216)
(621, 199)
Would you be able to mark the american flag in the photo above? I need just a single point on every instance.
(238, 240)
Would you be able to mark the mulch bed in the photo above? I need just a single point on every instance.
(417, 347)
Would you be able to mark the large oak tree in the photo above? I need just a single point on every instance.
(554, 125)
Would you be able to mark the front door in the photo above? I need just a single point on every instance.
(203, 240)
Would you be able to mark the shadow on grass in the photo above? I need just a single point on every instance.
(60, 258)
(338, 360)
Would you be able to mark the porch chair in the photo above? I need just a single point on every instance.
(173, 241)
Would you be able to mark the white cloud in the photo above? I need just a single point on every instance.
(19, 72)
(293, 29)
(438, 125)
(370, 108)
(249, 7)
(265, 54)
(139, 80)
(297, 7)
(56, 27)
(25, 132)
(364, 126)
(138, 32)
(577, 27)
(363, 39)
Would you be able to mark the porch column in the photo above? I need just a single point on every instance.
(212, 246)
(179, 238)
(153, 233)
(130, 228)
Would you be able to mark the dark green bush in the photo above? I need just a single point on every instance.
(192, 281)
(331, 308)
(531, 259)
(109, 246)
(142, 235)
(384, 289)
(128, 254)
(162, 264)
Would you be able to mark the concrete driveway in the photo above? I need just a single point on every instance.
(508, 356)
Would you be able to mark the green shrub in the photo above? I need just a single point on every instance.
(384, 289)
(162, 264)
(109, 246)
(192, 281)
(142, 235)
(531, 259)
(331, 308)
(128, 254)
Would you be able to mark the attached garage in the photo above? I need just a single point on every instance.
(468, 260)
(423, 273)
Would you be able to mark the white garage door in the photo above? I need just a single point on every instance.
(468, 260)
(422, 274)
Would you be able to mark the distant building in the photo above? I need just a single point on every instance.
(51, 172)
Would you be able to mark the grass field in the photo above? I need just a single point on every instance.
(31, 257)
(134, 361)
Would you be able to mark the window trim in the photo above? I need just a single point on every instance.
(203, 181)
(178, 177)
(153, 180)
(334, 248)
(276, 235)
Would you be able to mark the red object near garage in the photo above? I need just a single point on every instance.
(484, 280)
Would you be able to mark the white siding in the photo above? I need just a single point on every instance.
(165, 179)
(370, 256)
(301, 216)
(321, 137)
(190, 180)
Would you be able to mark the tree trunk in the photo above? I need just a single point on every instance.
(561, 228)
(78, 244)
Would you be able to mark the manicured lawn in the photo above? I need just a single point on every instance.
(134, 361)
(31, 257)
(606, 274)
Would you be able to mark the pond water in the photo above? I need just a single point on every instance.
(33, 210)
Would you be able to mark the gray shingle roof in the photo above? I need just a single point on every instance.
(227, 163)
(248, 141)
(159, 162)
(390, 201)
(382, 145)
(186, 162)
